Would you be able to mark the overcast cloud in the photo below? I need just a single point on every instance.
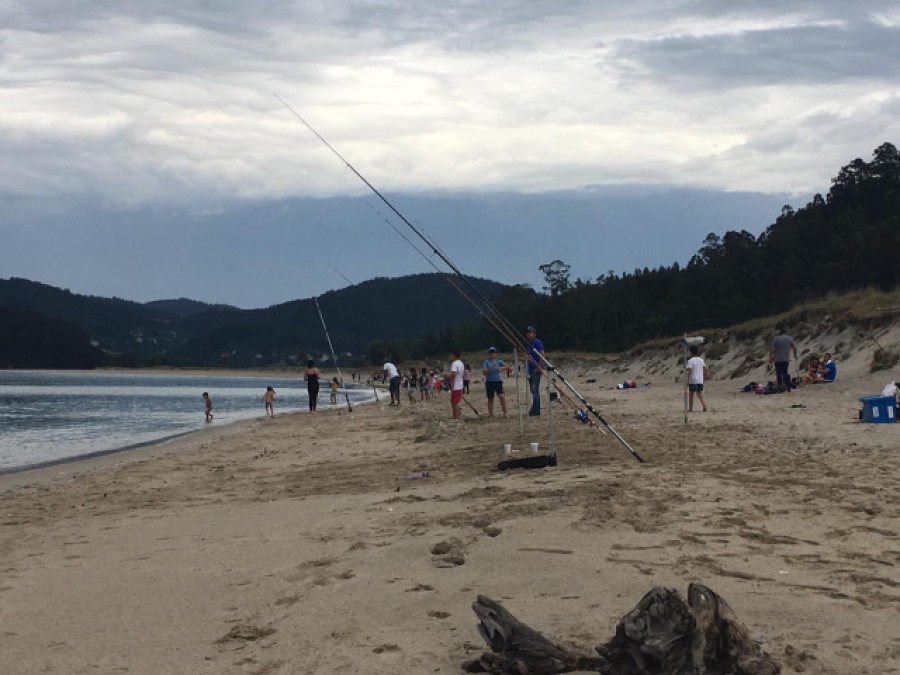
(111, 109)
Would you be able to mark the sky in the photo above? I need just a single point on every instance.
(146, 151)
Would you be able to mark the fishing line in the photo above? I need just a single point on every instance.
(444, 273)
(333, 355)
(509, 333)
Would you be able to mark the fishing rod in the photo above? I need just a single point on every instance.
(471, 406)
(499, 320)
(440, 369)
(340, 274)
(333, 355)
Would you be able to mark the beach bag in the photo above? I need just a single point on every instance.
(890, 390)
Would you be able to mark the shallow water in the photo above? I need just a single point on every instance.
(48, 417)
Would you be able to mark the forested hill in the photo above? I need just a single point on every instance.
(39, 319)
(846, 240)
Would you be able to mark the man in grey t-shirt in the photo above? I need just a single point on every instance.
(780, 355)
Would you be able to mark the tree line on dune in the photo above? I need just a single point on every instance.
(847, 240)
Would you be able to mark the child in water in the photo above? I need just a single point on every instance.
(334, 388)
(209, 415)
(269, 398)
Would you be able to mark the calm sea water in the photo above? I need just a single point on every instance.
(48, 417)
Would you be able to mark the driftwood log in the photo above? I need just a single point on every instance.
(662, 635)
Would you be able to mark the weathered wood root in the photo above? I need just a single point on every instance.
(517, 649)
(662, 635)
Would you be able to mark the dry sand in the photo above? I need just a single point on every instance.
(293, 545)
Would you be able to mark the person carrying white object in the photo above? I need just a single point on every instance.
(696, 372)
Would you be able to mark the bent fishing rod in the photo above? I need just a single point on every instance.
(507, 330)
(333, 355)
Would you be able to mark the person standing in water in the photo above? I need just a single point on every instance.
(269, 399)
(334, 390)
(312, 384)
(209, 406)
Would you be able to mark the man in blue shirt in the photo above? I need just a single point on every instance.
(829, 368)
(533, 355)
(493, 383)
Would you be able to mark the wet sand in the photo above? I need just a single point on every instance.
(294, 545)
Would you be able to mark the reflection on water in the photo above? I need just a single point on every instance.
(52, 416)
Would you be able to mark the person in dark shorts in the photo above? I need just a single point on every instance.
(493, 383)
(696, 372)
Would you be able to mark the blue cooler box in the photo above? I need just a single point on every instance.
(878, 409)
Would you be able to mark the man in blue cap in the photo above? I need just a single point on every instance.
(534, 353)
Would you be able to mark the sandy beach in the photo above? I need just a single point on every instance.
(295, 545)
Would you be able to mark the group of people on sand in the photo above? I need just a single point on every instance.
(426, 383)
(819, 371)
(457, 379)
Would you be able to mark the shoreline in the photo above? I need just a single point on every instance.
(100, 453)
(172, 443)
(94, 454)
(104, 460)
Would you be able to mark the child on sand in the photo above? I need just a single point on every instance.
(269, 398)
(209, 416)
(413, 378)
(424, 391)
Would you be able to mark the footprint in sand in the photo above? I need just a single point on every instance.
(245, 633)
(449, 553)
(382, 649)
(420, 587)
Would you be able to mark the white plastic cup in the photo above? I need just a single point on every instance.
(534, 448)
(507, 448)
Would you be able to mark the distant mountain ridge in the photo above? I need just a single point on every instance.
(184, 307)
(188, 332)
